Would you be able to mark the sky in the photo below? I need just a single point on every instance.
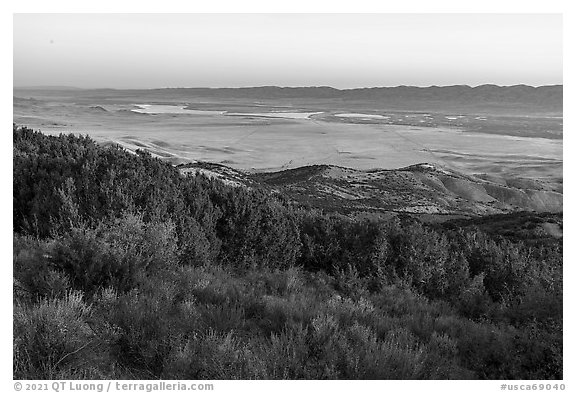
(238, 50)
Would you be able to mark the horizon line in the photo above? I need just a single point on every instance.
(63, 87)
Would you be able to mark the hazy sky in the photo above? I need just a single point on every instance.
(339, 50)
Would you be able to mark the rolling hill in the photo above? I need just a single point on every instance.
(422, 189)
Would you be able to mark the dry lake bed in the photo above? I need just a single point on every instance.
(269, 136)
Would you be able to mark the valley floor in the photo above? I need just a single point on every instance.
(277, 135)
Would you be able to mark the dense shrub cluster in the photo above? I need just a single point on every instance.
(124, 268)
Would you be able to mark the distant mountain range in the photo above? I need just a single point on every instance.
(517, 93)
(47, 88)
(491, 98)
(540, 99)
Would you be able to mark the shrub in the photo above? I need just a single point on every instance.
(35, 274)
(141, 327)
(211, 355)
(53, 339)
(119, 254)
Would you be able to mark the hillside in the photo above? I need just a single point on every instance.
(127, 268)
(419, 189)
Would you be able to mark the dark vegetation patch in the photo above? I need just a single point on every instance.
(525, 227)
(290, 176)
(126, 269)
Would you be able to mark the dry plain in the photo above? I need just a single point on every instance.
(270, 135)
